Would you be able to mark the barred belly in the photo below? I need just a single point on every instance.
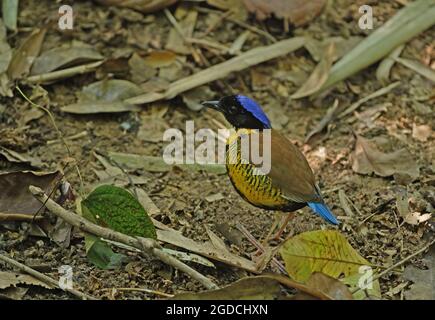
(255, 188)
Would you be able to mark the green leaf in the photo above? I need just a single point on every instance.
(353, 281)
(325, 251)
(101, 255)
(10, 12)
(119, 210)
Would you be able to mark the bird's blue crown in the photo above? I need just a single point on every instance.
(255, 109)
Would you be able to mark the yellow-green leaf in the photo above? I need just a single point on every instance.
(325, 251)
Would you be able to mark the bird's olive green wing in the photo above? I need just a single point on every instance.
(289, 170)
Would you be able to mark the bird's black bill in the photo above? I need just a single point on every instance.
(211, 104)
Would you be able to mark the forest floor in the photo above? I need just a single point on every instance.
(190, 201)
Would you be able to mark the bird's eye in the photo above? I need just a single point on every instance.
(233, 109)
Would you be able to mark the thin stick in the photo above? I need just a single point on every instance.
(147, 246)
(65, 73)
(46, 279)
(159, 293)
(59, 134)
(394, 266)
(258, 246)
(375, 94)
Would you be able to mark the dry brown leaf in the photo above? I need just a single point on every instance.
(144, 6)
(319, 75)
(332, 287)
(298, 12)
(157, 59)
(12, 279)
(415, 218)
(367, 158)
(258, 288)
(62, 57)
(422, 132)
(16, 202)
(20, 158)
(26, 54)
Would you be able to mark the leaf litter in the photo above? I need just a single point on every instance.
(374, 232)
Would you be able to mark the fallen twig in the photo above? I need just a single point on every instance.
(259, 247)
(221, 70)
(394, 266)
(147, 246)
(64, 73)
(373, 95)
(46, 279)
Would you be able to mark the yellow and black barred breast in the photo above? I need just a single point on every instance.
(257, 189)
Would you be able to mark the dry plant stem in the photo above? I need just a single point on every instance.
(65, 73)
(159, 293)
(375, 94)
(149, 246)
(60, 135)
(398, 264)
(240, 23)
(245, 60)
(258, 246)
(46, 279)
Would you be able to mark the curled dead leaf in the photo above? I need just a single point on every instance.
(367, 158)
(298, 12)
(16, 202)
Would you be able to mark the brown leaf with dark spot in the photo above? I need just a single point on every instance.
(16, 202)
(367, 158)
(298, 12)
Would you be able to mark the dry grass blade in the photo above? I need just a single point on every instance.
(221, 70)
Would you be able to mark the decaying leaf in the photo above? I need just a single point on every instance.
(145, 6)
(423, 284)
(153, 125)
(319, 75)
(367, 158)
(362, 279)
(104, 97)
(101, 255)
(16, 202)
(187, 18)
(64, 57)
(327, 285)
(25, 55)
(421, 132)
(252, 288)
(193, 98)
(325, 251)
(20, 158)
(298, 12)
(12, 279)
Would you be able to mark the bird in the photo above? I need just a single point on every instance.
(290, 183)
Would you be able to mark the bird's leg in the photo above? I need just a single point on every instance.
(287, 218)
(272, 229)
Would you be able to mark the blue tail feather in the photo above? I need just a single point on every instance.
(322, 210)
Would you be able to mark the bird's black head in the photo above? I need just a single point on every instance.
(241, 112)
